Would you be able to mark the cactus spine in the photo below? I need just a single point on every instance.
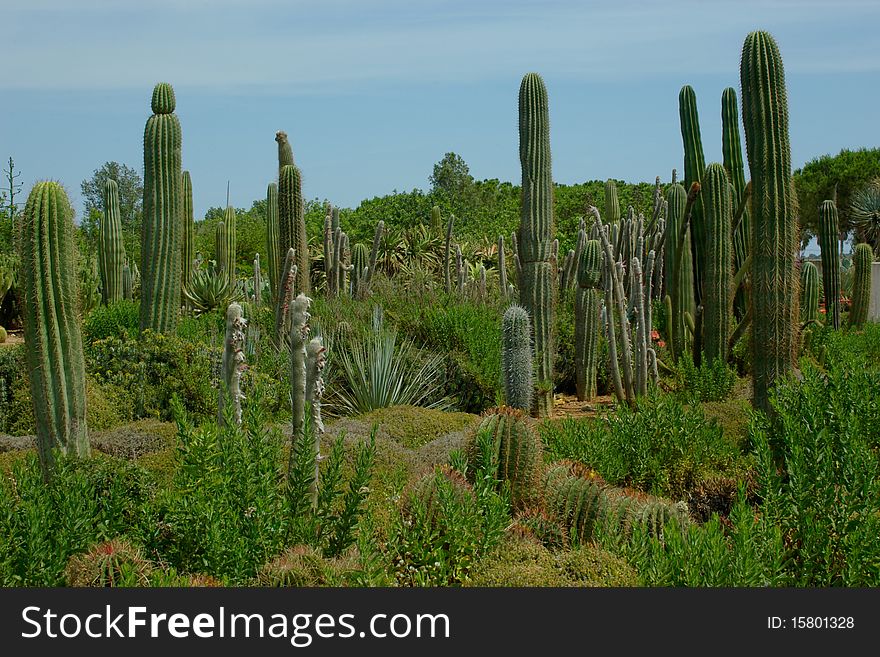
(273, 249)
(517, 359)
(828, 232)
(232, 365)
(586, 317)
(694, 165)
(188, 230)
(774, 214)
(863, 256)
(111, 256)
(53, 342)
(291, 219)
(718, 280)
(535, 238)
(160, 252)
(612, 205)
(731, 149)
(809, 292)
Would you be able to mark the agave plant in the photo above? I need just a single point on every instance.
(210, 289)
(380, 370)
(865, 213)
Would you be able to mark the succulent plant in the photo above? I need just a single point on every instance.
(291, 219)
(187, 235)
(863, 256)
(232, 365)
(586, 317)
(111, 254)
(809, 292)
(828, 241)
(717, 283)
(517, 358)
(273, 250)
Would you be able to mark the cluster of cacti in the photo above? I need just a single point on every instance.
(337, 255)
(828, 240)
(587, 319)
(232, 365)
(292, 223)
(809, 293)
(775, 235)
(589, 507)
(534, 244)
(731, 149)
(162, 227)
(54, 350)
(471, 281)
(188, 237)
(517, 451)
(425, 495)
(517, 358)
(863, 256)
(717, 281)
(111, 252)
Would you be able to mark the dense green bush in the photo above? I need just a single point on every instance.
(710, 382)
(120, 319)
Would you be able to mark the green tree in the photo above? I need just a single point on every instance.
(131, 198)
(451, 179)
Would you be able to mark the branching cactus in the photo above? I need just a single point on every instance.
(535, 239)
(828, 241)
(111, 256)
(291, 219)
(809, 293)
(775, 235)
(232, 366)
(273, 249)
(53, 342)
(517, 358)
(863, 256)
(160, 251)
(717, 281)
(188, 238)
(586, 317)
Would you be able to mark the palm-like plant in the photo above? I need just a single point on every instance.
(865, 213)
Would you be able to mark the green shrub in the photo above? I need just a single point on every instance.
(411, 426)
(303, 565)
(120, 319)
(13, 373)
(709, 382)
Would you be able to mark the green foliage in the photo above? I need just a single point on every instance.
(116, 319)
(865, 213)
(412, 427)
(711, 381)
(111, 563)
(131, 196)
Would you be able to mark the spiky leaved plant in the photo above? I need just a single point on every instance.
(828, 241)
(111, 255)
(863, 256)
(53, 342)
(717, 283)
(809, 292)
(775, 236)
(291, 219)
(535, 238)
(517, 358)
(162, 228)
(586, 317)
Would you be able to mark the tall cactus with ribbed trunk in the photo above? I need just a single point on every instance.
(775, 238)
(292, 222)
(535, 237)
(162, 228)
(111, 256)
(273, 248)
(188, 237)
(694, 165)
(586, 318)
(299, 333)
(681, 291)
(809, 292)
(360, 254)
(612, 205)
(230, 248)
(285, 152)
(232, 365)
(717, 281)
(828, 236)
(221, 258)
(517, 358)
(731, 151)
(863, 256)
(53, 342)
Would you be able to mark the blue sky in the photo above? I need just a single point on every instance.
(374, 92)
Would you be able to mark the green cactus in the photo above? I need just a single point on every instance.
(162, 228)
(291, 219)
(447, 264)
(188, 236)
(680, 292)
(516, 449)
(285, 152)
(517, 358)
(502, 269)
(53, 342)
(258, 281)
(221, 243)
(731, 149)
(111, 255)
(299, 333)
(359, 259)
(612, 205)
(232, 365)
(775, 236)
(285, 297)
(535, 239)
(230, 220)
(717, 283)
(127, 283)
(863, 256)
(273, 249)
(436, 219)
(809, 292)
(694, 165)
(586, 317)
(828, 241)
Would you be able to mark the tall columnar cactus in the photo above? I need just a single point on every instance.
(285, 297)
(447, 263)
(162, 228)
(299, 334)
(258, 282)
(828, 235)
(863, 256)
(731, 150)
(586, 318)
(53, 342)
(359, 259)
(694, 165)
(188, 238)
(436, 219)
(809, 292)
(230, 249)
(111, 256)
(221, 243)
(329, 255)
(285, 152)
(316, 359)
(681, 291)
(374, 257)
(717, 283)
(291, 218)
(516, 449)
(517, 358)
(775, 237)
(232, 365)
(612, 205)
(273, 248)
(127, 283)
(535, 238)
(502, 269)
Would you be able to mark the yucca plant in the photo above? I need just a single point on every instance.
(380, 370)
(210, 289)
